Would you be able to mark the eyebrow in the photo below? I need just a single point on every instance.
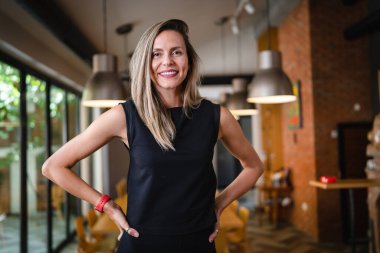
(171, 49)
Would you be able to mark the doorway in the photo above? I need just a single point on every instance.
(352, 144)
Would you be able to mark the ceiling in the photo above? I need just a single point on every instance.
(237, 56)
(201, 16)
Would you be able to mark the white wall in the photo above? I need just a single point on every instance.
(18, 37)
(224, 60)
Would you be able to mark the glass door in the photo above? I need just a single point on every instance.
(9, 159)
(36, 155)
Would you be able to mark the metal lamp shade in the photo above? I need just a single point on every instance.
(237, 101)
(238, 105)
(271, 85)
(104, 88)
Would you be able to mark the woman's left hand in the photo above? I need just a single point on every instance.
(218, 211)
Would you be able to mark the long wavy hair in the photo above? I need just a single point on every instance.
(149, 105)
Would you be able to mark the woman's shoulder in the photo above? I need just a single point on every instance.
(128, 105)
(128, 102)
(211, 109)
(208, 103)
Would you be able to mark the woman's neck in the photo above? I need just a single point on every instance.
(171, 99)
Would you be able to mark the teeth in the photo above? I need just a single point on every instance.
(168, 73)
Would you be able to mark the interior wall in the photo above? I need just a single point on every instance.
(229, 54)
(341, 79)
(48, 55)
(335, 79)
(299, 144)
(374, 42)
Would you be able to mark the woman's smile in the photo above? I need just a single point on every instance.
(169, 73)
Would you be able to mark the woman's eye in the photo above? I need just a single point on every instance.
(177, 52)
(156, 54)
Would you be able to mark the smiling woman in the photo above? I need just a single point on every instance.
(170, 132)
(169, 63)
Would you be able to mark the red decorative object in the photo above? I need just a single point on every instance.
(328, 179)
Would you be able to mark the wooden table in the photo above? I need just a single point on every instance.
(275, 193)
(348, 184)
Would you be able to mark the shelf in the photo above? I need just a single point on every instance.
(347, 184)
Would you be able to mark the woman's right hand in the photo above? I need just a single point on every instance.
(116, 214)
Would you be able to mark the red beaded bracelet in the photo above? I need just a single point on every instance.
(103, 200)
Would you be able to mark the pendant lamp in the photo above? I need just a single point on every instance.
(104, 88)
(270, 85)
(237, 101)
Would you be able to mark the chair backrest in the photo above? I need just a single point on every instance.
(221, 242)
(244, 214)
(80, 229)
(121, 187)
(91, 218)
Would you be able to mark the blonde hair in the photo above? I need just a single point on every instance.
(149, 105)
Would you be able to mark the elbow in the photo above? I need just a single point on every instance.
(46, 168)
(260, 168)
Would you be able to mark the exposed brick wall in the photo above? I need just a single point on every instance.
(299, 145)
(334, 75)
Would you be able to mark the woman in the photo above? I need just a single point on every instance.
(170, 132)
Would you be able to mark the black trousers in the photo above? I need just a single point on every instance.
(188, 243)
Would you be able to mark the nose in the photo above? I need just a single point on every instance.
(167, 60)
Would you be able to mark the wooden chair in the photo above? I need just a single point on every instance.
(92, 218)
(58, 198)
(92, 246)
(221, 242)
(121, 188)
(275, 195)
(237, 236)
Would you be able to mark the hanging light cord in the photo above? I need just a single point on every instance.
(239, 51)
(223, 45)
(268, 19)
(105, 25)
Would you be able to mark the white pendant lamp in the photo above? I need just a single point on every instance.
(104, 88)
(237, 101)
(270, 85)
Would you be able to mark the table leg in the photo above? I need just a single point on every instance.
(275, 207)
(352, 219)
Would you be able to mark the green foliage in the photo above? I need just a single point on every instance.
(36, 118)
(9, 99)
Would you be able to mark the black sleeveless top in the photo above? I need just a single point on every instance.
(173, 192)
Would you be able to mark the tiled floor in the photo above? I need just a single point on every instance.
(263, 237)
(10, 234)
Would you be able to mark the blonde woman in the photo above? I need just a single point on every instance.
(170, 132)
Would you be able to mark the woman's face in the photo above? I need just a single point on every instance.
(170, 62)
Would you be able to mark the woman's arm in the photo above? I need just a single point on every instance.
(57, 168)
(234, 140)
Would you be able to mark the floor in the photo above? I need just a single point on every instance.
(265, 238)
(287, 239)
(10, 233)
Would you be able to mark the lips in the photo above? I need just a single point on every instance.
(169, 73)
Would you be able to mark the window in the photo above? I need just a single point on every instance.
(24, 209)
(9, 158)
